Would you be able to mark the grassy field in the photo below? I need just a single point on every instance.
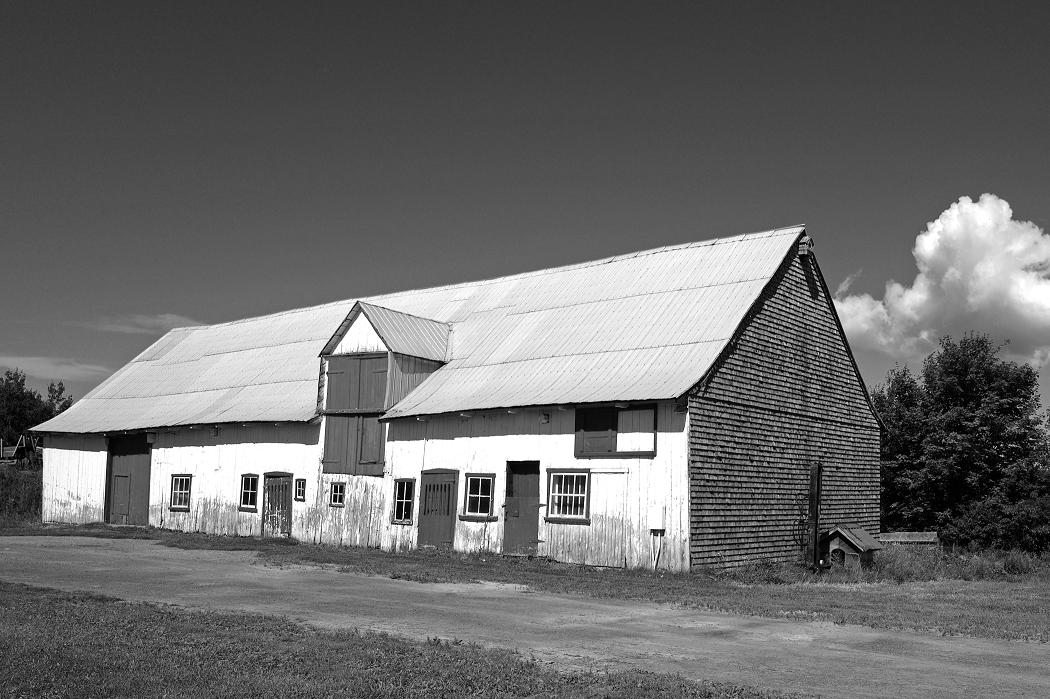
(985, 595)
(55, 644)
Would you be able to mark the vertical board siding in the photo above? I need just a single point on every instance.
(406, 373)
(74, 479)
(785, 396)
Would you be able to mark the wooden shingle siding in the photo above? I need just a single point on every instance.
(786, 394)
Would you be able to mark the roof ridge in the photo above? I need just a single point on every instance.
(403, 313)
(781, 230)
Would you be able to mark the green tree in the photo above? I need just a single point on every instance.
(962, 440)
(22, 407)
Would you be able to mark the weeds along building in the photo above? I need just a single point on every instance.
(676, 407)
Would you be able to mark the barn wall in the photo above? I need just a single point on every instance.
(74, 479)
(628, 496)
(785, 396)
(217, 461)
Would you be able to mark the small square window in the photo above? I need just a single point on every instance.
(249, 492)
(337, 495)
(568, 496)
(300, 489)
(404, 497)
(180, 493)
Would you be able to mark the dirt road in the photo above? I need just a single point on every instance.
(574, 632)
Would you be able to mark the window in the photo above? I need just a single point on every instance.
(568, 497)
(180, 493)
(300, 489)
(477, 504)
(337, 495)
(249, 492)
(404, 496)
(616, 431)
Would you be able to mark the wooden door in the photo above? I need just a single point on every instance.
(521, 512)
(277, 506)
(129, 480)
(437, 507)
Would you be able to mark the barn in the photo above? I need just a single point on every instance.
(685, 406)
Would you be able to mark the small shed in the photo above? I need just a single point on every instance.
(849, 546)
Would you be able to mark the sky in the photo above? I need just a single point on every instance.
(165, 164)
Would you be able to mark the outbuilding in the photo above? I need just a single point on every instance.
(666, 408)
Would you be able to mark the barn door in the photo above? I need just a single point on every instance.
(437, 507)
(277, 506)
(129, 476)
(522, 508)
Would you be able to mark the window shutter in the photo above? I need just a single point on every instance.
(373, 383)
(336, 435)
(337, 387)
(370, 447)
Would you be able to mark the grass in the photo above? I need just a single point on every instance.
(55, 644)
(992, 595)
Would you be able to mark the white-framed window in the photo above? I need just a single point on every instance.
(337, 494)
(249, 492)
(568, 495)
(478, 502)
(180, 492)
(404, 497)
(300, 489)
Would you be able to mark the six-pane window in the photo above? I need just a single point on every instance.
(569, 495)
(337, 495)
(300, 489)
(404, 496)
(180, 492)
(249, 491)
(479, 495)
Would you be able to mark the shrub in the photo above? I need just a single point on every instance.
(21, 494)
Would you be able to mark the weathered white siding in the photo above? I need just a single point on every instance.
(217, 461)
(74, 479)
(629, 496)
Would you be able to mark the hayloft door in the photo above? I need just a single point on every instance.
(437, 507)
(277, 505)
(522, 508)
(129, 477)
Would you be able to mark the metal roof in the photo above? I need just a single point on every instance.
(400, 332)
(641, 326)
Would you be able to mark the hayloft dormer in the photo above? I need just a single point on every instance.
(375, 358)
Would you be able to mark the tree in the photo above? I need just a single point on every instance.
(22, 407)
(961, 441)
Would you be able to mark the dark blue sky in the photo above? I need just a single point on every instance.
(217, 161)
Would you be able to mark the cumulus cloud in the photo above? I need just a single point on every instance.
(140, 324)
(977, 269)
(53, 368)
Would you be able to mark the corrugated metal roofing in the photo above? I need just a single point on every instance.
(641, 326)
(408, 334)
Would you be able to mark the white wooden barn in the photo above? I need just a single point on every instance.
(683, 406)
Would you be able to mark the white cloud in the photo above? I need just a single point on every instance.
(54, 368)
(140, 324)
(977, 269)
